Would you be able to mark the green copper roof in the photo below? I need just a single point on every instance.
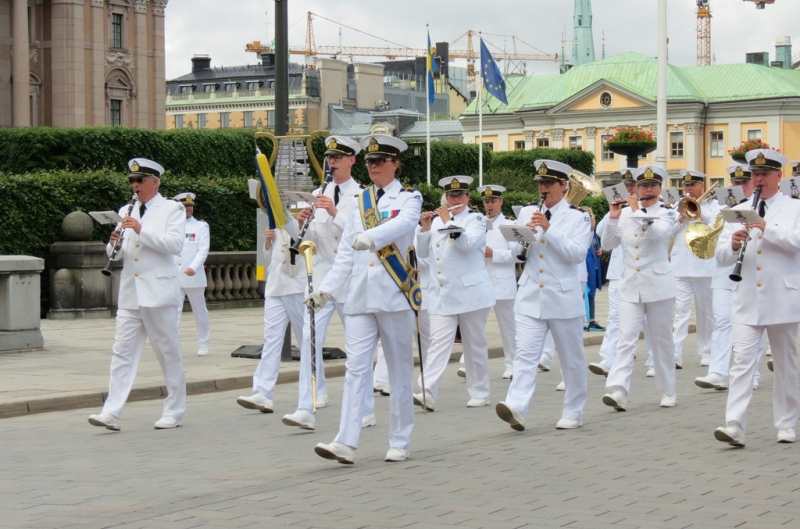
(638, 74)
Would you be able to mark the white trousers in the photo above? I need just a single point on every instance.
(395, 331)
(322, 319)
(722, 337)
(476, 351)
(504, 312)
(549, 350)
(160, 325)
(197, 300)
(700, 289)
(568, 337)
(659, 317)
(279, 312)
(381, 372)
(786, 389)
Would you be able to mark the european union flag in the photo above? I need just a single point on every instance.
(431, 71)
(492, 78)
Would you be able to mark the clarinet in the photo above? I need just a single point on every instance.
(523, 255)
(118, 243)
(294, 249)
(736, 274)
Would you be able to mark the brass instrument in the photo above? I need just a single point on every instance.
(308, 249)
(689, 208)
(736, 274)
(118, 243)
(701, 239)
(580, 185)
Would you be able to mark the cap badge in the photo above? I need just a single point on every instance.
(628, 175)
(333, 144)
(761, 159)
(455, 184)
(373, 145)
(135, 167)
(649, 175)
(687, 177)
(739, 173)
(542, 171)
(488, 192)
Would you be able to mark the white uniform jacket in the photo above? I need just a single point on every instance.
(684, 262)
(550, 286)
(501, 266)
(371, 288)
(195, 251)
(459, 282)
(149, 274)
(283, 277)
(647, 274)
(769, 292)
(325, 232)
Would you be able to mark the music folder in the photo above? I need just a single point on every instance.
(513, 233)
(741, 216)
(106, 217)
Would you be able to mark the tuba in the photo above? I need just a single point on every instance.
(580, 185)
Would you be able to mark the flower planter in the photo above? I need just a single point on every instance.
(632, 150)
(739, 158)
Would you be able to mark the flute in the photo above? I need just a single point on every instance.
(118, 243)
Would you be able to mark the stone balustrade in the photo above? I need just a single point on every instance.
(232, 279)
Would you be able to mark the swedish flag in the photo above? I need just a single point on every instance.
(492, 78)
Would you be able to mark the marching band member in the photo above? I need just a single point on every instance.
(550, 298)
(331, 211)
(766, 299)
(378, 302)
(191, 272)
(647, 285)
(149, 295)
(460, 293)
(501, 262)
(692, 275)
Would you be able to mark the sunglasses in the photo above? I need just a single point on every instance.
(335, 157)
(378, 162)
(139, 179)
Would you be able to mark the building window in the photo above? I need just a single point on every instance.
(230, 87)
(186, 89)
(201, 121)
(489, 144)
(712, 181)
(576, 143)
(677, 183)
(754, 134)
(270, 118)
(248, 119)
(116, 30)
(252, 85)
(606, 155)
(676, 144)
(605, 100)
(115, 108)
(225, 120)
(519, 145)
(208, 88)
(716, 142)
(179, 121)
(542, 143)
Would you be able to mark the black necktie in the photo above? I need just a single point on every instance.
(762, 209)
(380, 193)
(336, 196)
(644, 210)
(142, 209)
(547, 214)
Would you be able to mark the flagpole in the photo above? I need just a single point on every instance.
(428, 109)
(480, 123)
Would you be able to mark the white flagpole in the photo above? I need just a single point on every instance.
(480, 124)
(428, 71)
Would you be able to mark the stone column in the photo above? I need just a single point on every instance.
(139, 112)
(68, 63)
(693, 151)
(529, 139)
(557, 135)
(21, 66)
(97, 23)
(20, 325)
(591, 144)
(157, 92)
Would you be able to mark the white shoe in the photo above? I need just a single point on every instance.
(669, 401)
(477, 403)
(678, 362)
(731, 434)
(544, 365)
(336, 451)
(256, 401)
(322, 400)
(511, 415)
(203, 351)
(705, 361)
(380, 387)
(787, 436)
(651, 372)
(616, 399)
(396, 454)
(568, 424)
(302, 419)
(561, 386)
(461, 372)
(507, 374)
(755, 383)
(368, 420)
(106, 420)
(711, 381)
(430, 402)
(598, 368)
(166, 422)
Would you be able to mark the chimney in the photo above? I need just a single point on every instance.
(200, 63)
(783, 51)
(268, 60)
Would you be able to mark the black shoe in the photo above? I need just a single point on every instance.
(585, 328)
(594, 326)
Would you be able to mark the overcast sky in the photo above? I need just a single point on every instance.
(221, 28)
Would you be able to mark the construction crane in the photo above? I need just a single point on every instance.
(311, 49)
(761, 3)
(703, 33)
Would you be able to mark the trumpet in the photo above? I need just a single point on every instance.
(689, 208)
(118, 243)
(523, 255)
(308, 248)
(736, 274)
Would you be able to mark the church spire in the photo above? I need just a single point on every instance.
(582, 39)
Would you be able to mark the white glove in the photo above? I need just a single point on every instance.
(362, 242)
(316, 300)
